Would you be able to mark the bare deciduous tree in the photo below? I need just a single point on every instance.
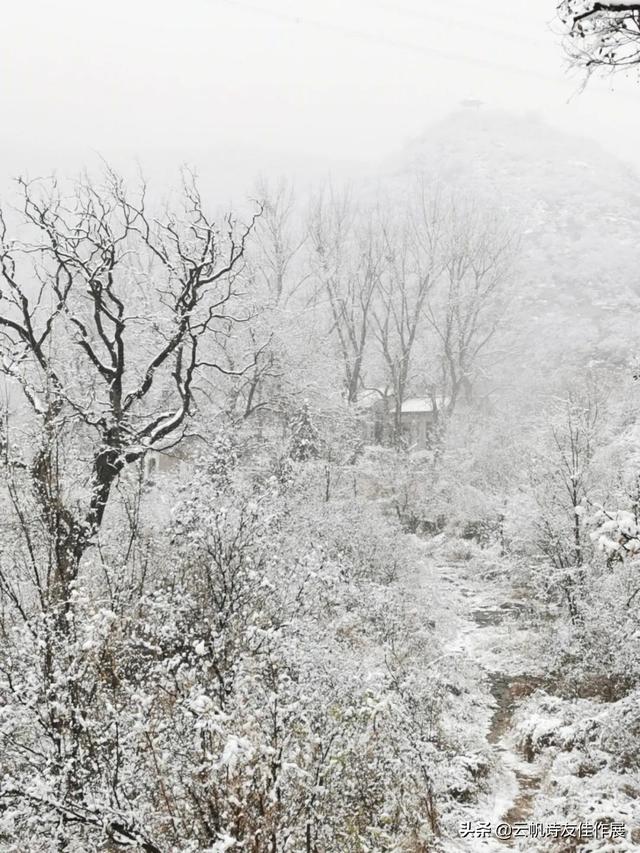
(107, 316)
(348, 261)
(279, 242)
(567, 489)
(412, 259)
(601, 35)
(466, 308)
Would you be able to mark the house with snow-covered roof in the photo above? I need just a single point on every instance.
(417, 417)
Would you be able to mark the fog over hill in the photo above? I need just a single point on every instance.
(576, 209)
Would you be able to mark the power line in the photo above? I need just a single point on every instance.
(414, 47)
(363, 35)
(476, 26)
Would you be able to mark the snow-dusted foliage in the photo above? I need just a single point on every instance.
(254, 680)
(589, 752)
(617, 533)
(303, 443)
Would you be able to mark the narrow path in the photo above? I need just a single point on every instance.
(485, 630)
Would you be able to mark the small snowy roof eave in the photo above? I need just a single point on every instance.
(423, 405)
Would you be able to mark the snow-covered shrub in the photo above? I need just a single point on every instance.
(589, 754)
(304, 440)
(617, 534)
(598, 653)
(255, 680)
(459, 550)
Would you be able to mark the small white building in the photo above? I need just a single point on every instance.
(418, 416)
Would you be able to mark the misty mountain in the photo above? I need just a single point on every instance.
(576, 211)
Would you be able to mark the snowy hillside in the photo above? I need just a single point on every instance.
(576, 209)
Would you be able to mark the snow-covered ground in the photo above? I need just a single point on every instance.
(484, 632)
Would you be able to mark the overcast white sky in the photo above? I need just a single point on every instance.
(241, 87)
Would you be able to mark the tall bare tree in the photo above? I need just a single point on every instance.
(466, 308)
(348, 260)
(412, 261)
(276, 264)
(108, 314)
(567, 486)
(279, 242)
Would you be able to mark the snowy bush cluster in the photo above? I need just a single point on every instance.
(589, 755)
(252, 677)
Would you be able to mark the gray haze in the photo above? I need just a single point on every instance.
(269, 86)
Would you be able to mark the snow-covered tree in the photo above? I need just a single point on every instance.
(304, 438)
(602, 35)
(109, 315)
